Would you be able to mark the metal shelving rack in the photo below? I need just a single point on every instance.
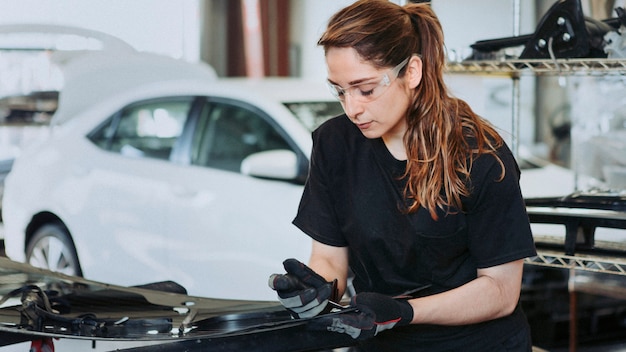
(514, 69)
(588, 263)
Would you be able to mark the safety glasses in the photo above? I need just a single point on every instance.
(368, 91)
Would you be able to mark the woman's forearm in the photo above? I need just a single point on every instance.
(493, 294)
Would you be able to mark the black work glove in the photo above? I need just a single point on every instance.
(374, 313)
(301, 290)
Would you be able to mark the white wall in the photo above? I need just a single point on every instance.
(162, 26)
(307, 29)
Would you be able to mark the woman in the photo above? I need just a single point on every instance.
(412, 193)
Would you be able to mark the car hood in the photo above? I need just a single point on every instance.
(116, 72)
(58, 37)
(161, 314)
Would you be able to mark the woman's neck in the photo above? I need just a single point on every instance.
(395, 145)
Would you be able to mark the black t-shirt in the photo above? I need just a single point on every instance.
(354, 197)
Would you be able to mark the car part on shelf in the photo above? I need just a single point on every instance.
(563, 32)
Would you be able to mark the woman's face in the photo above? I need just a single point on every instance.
(380, 114)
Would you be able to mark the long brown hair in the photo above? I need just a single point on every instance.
(444, 135)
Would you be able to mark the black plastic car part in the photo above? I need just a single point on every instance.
(563, 32)
(581, 213)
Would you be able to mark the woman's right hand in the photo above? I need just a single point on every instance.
(301, 290)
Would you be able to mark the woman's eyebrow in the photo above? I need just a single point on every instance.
(354, 82)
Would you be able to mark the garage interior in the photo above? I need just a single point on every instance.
(567, 112)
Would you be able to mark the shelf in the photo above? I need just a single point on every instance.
(589, 263)
(514, 68)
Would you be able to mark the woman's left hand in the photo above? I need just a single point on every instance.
(374, 313)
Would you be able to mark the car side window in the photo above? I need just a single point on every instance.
(227, 134)
(147, 129)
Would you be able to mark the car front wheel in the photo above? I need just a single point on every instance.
(51, 248)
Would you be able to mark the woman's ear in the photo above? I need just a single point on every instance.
(414, 72)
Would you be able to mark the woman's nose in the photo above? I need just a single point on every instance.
(352, 107)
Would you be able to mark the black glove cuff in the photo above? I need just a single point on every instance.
(334, 292)
(406, 312)
(384, 308)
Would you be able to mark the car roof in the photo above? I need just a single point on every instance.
(283, 89)
(90, 78)
(98, 83)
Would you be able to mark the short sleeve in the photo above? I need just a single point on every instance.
(498, 225)
(316, 216)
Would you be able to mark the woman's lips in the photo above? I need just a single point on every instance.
(364, 126)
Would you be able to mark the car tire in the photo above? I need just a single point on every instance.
(51, 247)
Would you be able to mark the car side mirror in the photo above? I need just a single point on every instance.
(279, 164)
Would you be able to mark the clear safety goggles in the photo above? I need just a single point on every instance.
(368, 91)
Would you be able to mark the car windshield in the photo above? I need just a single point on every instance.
(313, 114)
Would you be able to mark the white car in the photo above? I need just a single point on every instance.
(157, 170)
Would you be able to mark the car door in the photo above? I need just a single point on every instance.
(130, 191)
(233, 230)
